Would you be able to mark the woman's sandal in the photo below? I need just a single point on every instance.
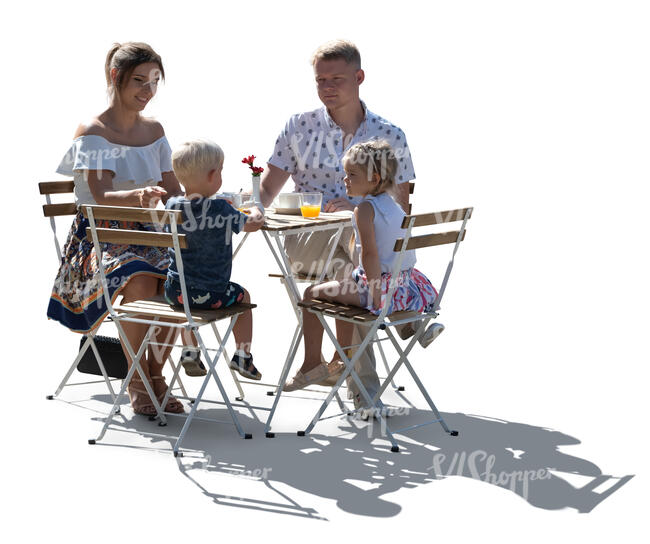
(140, 401)
(174, 406)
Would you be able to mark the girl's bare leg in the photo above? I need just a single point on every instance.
(345, 292)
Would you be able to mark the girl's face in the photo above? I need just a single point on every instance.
(140, 87)
(356, 179)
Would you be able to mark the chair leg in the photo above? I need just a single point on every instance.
(135, 366)
(404, 359)
(293, 348)
(383, 358)
(211, 362)
(72, 368)
(91, 339)
(234, 375)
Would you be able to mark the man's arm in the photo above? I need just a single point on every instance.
(273, 179)
(402, 196)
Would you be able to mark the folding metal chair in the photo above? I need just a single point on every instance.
(52, 210)
(419, 322)
(156, 312)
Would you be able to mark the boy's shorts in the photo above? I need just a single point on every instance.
(201, 299)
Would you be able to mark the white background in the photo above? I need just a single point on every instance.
(535, 113)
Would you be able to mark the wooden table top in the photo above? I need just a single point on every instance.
(275, 221)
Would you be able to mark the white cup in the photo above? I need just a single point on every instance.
(289, 200)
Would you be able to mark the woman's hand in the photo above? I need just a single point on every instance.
(150, 196)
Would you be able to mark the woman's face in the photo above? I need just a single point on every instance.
(141, 86)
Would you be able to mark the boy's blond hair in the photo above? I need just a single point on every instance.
(196, 157)
(338, 49)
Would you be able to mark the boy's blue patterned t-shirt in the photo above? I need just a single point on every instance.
(209, 225)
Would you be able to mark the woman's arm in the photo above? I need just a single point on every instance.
(364, 215)
(100, 183)
(171, 185)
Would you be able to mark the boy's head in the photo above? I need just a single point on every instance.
(338, 73)
(197, 165)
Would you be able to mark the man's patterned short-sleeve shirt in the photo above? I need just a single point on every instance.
(311, 146)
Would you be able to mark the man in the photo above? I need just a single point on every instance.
(310, 148)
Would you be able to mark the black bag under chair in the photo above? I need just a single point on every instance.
(110, 350)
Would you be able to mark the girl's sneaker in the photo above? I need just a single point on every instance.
(432, 332)
(243, 363)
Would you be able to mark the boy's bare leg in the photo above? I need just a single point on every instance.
(243, 329)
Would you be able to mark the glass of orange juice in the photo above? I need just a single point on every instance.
(311, 203)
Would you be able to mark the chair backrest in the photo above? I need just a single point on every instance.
(427, 240)
(49, 188)
(159, 218)
(411, 190)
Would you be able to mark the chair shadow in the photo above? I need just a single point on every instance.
(356, 468)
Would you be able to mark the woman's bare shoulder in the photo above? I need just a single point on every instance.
(92, 127)
(155, 128)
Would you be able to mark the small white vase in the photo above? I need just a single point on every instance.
(256, 191)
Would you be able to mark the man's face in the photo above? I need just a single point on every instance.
(337, 82)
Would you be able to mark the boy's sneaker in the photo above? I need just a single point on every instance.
(243, 363)
(432, 332)
(192, 364)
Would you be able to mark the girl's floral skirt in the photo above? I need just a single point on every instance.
(413, 292)
(77, 299)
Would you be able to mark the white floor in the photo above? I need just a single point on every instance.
(534, 113)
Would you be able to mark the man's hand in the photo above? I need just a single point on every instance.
(338, 205)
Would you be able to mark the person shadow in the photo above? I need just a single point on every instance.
(354, 466)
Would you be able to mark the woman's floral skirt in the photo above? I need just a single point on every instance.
(77, 299)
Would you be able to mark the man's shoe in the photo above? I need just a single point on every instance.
(334, 369)
(432, 332)
(300, 380)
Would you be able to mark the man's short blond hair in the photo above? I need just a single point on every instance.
(338, 49)
(196, 157)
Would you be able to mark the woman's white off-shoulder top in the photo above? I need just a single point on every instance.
(133, 166)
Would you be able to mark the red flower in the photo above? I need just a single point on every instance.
(257, 170)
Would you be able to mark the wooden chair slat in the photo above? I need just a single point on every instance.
(55, 187)
(436, 218)
(158, 307)
(137, 237)
(427, 240)
(341, 310)
(143, 215)
(55, 210)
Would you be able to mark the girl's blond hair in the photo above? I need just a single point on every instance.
(374, 156)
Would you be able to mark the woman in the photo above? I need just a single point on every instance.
(119, 158)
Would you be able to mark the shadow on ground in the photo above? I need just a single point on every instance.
(354, 466)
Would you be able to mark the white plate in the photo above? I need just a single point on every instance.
(288, 211)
